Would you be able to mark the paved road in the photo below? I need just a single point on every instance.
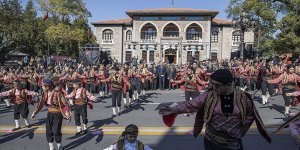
(145, 115)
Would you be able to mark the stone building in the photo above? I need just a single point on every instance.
(173, 35)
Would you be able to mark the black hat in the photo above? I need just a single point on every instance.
(76, 81)
(115, 68)
(47, 82)
(290, 66)
(222, 76)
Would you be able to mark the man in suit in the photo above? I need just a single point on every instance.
(161, 70)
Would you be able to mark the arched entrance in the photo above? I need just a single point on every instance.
(170, 56)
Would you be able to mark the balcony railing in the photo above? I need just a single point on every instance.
(107, 41)
(236, 43)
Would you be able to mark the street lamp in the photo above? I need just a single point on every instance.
(244, 22)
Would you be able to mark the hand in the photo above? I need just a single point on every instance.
(166, 110)
(33, 115)
(289, 94)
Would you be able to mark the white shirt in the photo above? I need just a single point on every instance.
(128, 146)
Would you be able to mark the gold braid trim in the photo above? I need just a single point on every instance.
(209, 106)
(240, 98)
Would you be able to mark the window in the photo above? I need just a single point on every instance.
(194, 32)
(129, 35)
(171, 30)
(189, 56)
(151, 56)
(214, 56)
(148, 32)
(236, 36)
(194, 18)
(174, 18)
(128, 55)
(148, 18)
(214, 36)
(144, 55)
(107, 36)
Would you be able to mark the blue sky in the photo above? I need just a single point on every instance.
(115, 9)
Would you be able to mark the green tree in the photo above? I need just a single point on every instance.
(279, 25)
(68, 25)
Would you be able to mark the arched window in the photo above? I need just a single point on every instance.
(129, 35)
(236, 36)
(171, 30)
(148, 32)
(194, 32)
(214, 36)
(107, 35)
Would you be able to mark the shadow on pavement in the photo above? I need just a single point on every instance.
(14, 135)
(178, 142)
(93, 131)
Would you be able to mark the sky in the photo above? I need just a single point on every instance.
(115, 9)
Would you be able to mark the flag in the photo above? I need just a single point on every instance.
(45, 17)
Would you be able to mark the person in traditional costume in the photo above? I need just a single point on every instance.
(82, 99)
(128, 140)
(58, 109)
(227, 112)
(117, 82)
(289, 80)
(21, 98)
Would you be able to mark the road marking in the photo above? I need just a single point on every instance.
(118, 130)
(150, 103)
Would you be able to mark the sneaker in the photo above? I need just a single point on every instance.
(84, 132)
(78, 133)
(28, 126)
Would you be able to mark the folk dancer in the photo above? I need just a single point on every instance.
(58, 108)
(82, 98)
(227, 112)
(289, 80)
(19, 96)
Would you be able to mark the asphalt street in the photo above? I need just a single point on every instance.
(152, 130)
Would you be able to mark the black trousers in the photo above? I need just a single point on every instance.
(70, 89)
(265, 86)
(116, 98)
(154, 84)
(21, 109)
(191, 94)
(287, 99)
(53, 127)
(80, 110)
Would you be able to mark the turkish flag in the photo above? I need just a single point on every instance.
(45, 17)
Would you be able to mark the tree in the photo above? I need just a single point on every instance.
(5, 46)
(68, 25)
(278, 34)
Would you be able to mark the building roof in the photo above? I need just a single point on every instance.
(218, 21)
(124, 21)
(171, 11)
(128, 21)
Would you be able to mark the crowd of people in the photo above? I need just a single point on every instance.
(65, 86)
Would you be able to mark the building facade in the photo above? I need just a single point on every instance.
(172, 35)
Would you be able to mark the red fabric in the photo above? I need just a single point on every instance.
(169, 119)
(91, 106)
(45, 17)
